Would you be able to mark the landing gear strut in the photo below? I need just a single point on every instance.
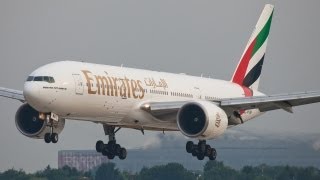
(201, 150)
(51, 137)
(111, 149)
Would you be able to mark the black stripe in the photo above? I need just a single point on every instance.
(254, 74)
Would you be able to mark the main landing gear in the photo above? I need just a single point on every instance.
(111, 149)
(201, 150)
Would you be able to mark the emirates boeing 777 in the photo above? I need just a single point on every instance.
(118, 97)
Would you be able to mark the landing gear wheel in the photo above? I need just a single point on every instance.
(54, 137)
(117, 149)
(112, 146)
(110, 156)
(99, 146)
(214, 152)
(208, 151)
(47, 138)
(189, 146)
(194, 152)
(200, 156)
(111, 149)
(201, 150)
(202, 146)
(123, 153)
(105, 151)
(213, 156)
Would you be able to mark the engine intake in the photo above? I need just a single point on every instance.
(28, 123)
(202, 120)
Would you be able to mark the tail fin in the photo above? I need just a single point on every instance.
(248, 71)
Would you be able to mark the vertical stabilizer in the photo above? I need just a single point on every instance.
(248, 71)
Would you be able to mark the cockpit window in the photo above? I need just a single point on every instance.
(30, 78)
(38, 78)
(48, 79)
(51, 80)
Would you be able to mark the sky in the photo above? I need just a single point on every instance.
(182, 36)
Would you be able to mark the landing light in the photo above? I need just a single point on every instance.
(42, 116)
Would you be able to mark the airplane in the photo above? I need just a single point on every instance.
(119, 97)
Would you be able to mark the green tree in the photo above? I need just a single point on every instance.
(218, 171)
(13, 174)
(129, 175)
(308, 173)
(60, 174)
(261, 172)
(108, 171)
(171, 171)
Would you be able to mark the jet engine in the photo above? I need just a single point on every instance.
(202, 120)
(29, 124)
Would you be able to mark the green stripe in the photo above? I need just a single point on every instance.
(262, 36)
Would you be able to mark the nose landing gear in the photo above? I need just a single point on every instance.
(111, 149)
(50, 137)
(201, 150)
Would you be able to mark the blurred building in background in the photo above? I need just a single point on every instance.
(236, 149)
(82, 160)
(85, 160)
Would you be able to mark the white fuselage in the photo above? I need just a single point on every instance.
(113, 95)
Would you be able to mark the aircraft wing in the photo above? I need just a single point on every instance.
(12, 94)
(273, 102)
(263, 103)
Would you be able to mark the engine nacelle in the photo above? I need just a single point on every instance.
(30, 125)
(202, 120)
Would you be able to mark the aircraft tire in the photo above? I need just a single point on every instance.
(47, 138)
(202, 147)
(105, 151)
(208, 151)
(54, 137)
(99, 146)
(110, 156)
(200, 156)
(117, 149)
(123, 153)
(189, 146)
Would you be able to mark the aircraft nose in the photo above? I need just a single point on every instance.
(31, 92)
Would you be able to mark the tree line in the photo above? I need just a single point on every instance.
(173, 171)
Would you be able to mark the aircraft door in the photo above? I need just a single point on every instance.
(78, 84)
(197, 93)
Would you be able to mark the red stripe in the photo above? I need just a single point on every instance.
(247, 93)
(242, 68)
